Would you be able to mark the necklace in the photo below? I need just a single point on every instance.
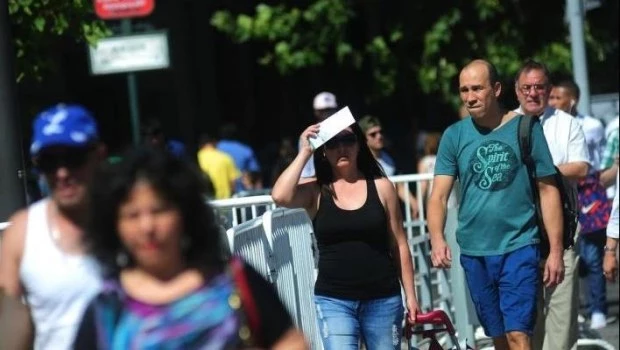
(52, 228)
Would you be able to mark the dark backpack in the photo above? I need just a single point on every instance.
(568, 193)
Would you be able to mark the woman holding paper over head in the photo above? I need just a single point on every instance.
(362, 246)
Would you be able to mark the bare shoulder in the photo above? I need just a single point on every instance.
(12, 237)
(385, 188)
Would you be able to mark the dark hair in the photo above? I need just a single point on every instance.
(206, 139)
(151, 127)
(325, 113)
(176, 181)
(229, 131)
(570, 86)
(366, 163)
(530, 65)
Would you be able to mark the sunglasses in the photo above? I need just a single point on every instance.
(375, 133)
(347, 140)
(71, 159)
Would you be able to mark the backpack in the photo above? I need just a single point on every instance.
(595, 208)
(568, 192)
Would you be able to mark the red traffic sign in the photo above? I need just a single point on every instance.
(118, 9)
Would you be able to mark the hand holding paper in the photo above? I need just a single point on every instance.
(331, 126)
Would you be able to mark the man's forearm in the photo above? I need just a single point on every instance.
(436, 218)
(551, 208)
(608, 176)
(574, 170)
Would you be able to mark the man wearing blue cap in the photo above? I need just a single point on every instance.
(42, 256)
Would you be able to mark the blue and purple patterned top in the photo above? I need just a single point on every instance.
(210, 317)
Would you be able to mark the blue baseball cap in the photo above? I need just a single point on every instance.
(63, 125)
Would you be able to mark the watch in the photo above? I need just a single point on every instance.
(609, 249)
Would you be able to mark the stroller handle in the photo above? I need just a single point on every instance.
(435, 317)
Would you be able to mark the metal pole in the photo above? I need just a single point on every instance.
(12, 193)
(575, 15)
(132, 92)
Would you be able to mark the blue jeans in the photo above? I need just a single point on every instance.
(591, 266)
(342, 323)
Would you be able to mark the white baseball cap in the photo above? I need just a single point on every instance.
(324, 100)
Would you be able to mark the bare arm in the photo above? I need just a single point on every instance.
(423, 184)
(551, 208)
(608, 176)
(437, 211)
(292, 339)
(400, 246)
(287, 191)
(574, 170)
(11, 251)
(407, 196)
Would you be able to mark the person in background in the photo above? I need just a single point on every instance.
(610, 262)
(218, 166)
(497, 228)
(565, 97)
(153, 134)
(167, 284)
(371, 127)
(609, 161)
(324, 105)
(43, 255)
(557, 326)
(595, 209)
(286, 154)
(244, 158)
(362, 245)
(426, 165)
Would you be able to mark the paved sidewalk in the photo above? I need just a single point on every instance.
(611, 332)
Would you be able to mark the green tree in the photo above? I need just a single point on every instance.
(36, 23)
(425, 42)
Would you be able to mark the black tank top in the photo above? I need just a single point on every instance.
(354, 250)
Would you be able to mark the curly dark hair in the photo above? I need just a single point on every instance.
(366, 163)
(176, 181)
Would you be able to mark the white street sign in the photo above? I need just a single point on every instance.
(130, 53)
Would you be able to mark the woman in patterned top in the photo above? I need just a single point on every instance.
(168, 284)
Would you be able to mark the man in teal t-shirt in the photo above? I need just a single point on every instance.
(497, 228)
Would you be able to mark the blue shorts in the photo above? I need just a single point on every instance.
(504, 289)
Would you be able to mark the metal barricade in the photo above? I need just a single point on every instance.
(279, 246)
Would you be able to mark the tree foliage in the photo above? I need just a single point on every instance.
(439, 39)
(35, 23)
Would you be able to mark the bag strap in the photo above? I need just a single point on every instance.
(247, 299)
(526, 124)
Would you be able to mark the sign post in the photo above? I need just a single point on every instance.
(132, 91)
(12, 193)
(125, 10)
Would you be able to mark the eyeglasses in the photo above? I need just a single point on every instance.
(527, 88)
(375, 133)
(346, 140)
(73, 158)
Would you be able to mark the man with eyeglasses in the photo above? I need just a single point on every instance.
(556, 327)
(371, 127)
(43, 256)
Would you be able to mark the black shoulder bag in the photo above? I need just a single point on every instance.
(568, 193)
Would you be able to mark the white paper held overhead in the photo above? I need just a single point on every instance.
(331, 126)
